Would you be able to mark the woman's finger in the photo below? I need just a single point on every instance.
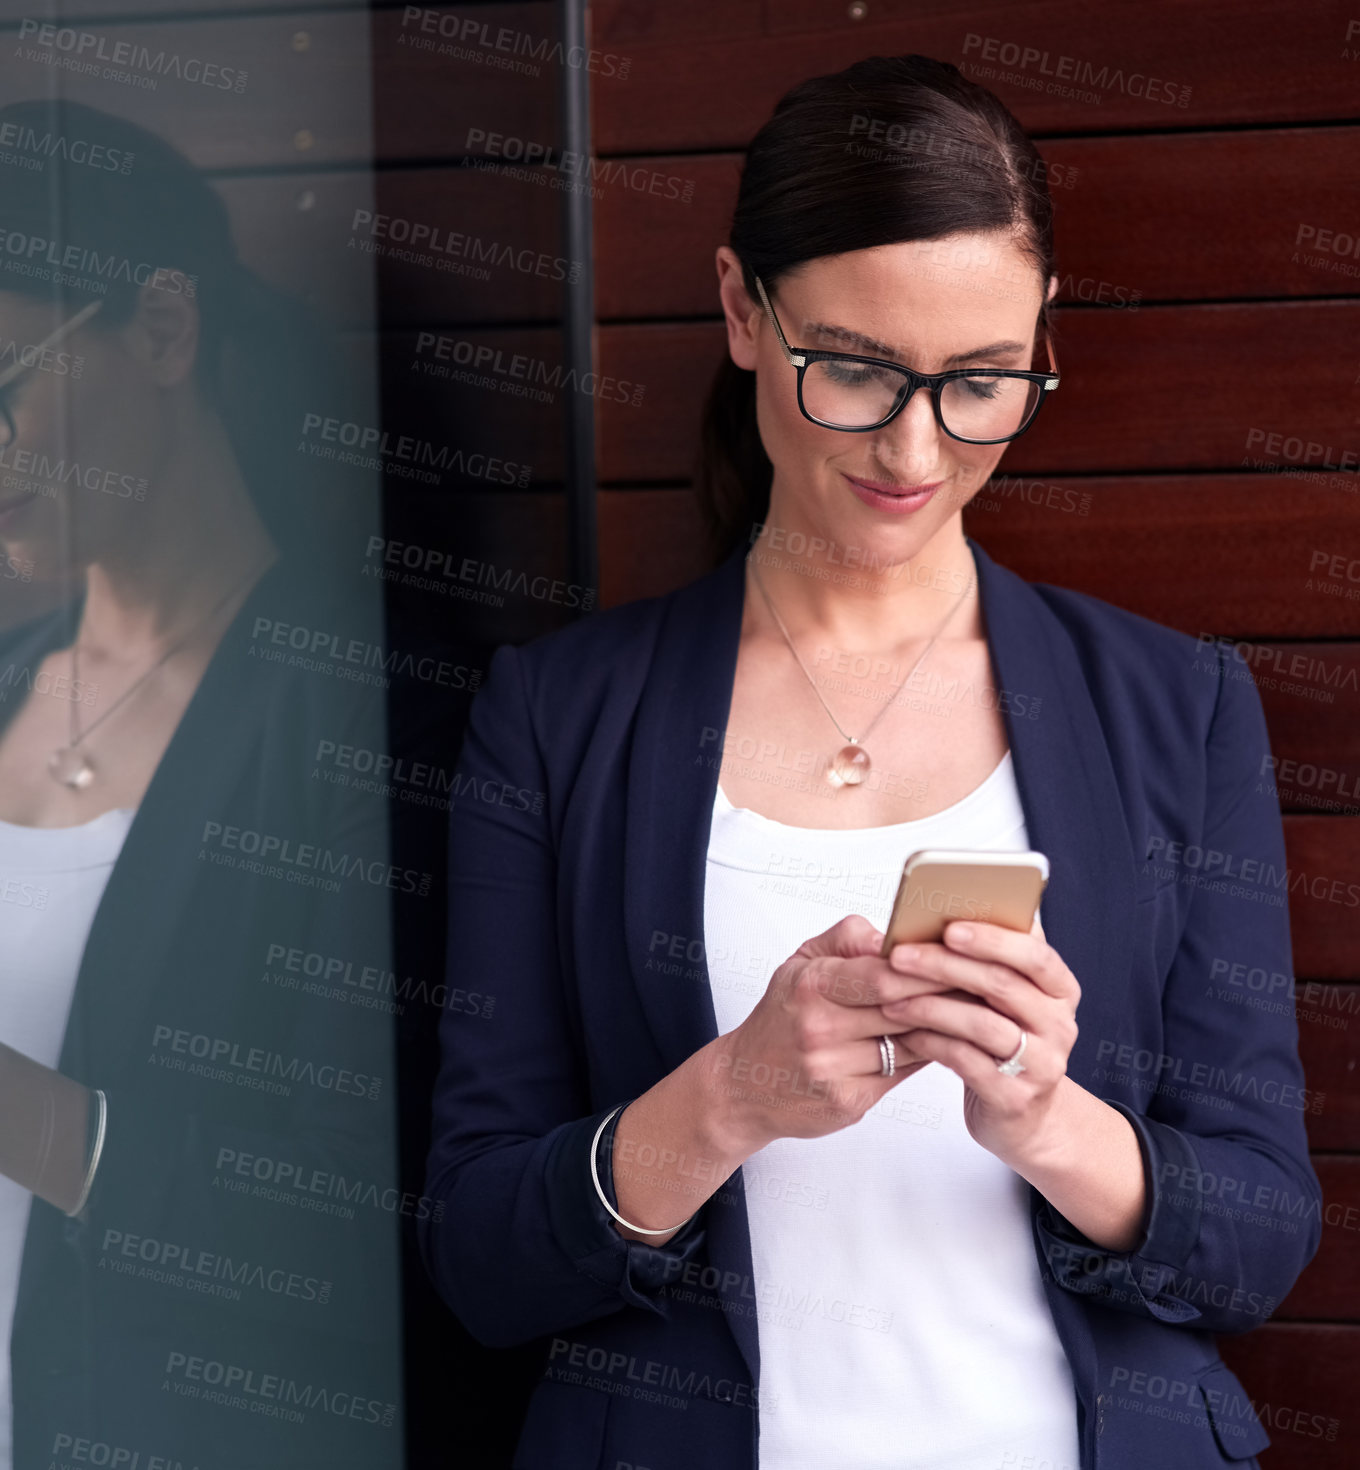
(1002, 988)
(965, 1018)
(1030, 954)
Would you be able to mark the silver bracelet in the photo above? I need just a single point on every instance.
(98, 1149)
(595, 1175)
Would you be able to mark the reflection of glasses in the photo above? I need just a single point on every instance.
(19, 367)
(842, 390)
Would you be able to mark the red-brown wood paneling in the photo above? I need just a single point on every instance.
(1258, 62)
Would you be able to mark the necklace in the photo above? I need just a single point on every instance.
(68, 763)
(850, 764)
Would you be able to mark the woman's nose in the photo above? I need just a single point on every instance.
(910, 444)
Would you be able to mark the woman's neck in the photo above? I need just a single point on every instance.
(860, 601)
(199, 539)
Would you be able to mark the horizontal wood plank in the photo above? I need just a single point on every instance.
(1301, 1379)
(433, 245)
(1324, 897)
(305, 86)
(254, 91)
(1329, 1289)
(1128, 67)
(1144, 390)
(1137, 219)
(1235, 555)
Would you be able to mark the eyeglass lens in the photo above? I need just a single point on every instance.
(858, 395)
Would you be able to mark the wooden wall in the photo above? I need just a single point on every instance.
(1162, 428)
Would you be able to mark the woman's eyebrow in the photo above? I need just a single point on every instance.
(883, 349)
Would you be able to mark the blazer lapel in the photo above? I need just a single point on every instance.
(136, 922)
(1074, 810)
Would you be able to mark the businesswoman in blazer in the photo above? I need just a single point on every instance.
(197, 1226)
(764, 1198)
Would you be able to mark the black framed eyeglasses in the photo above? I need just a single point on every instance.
(19, 367)
(843, 390)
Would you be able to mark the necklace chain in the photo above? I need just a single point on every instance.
(852, 739)
(77, 735)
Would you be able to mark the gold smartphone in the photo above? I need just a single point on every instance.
(939, 885)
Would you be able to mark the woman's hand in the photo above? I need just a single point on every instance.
(994, 982)
(806, 1061)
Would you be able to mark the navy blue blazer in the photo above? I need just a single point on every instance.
(578, 835)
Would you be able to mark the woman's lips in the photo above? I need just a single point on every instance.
(898, 498)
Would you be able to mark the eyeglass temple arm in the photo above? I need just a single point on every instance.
(796, 359)
(1052, 362)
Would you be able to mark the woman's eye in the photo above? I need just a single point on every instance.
(851, 374)
(983, 387)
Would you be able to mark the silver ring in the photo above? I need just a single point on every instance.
(888, 1055)
(1013, 1066)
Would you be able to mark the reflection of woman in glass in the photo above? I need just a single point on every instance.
(181, 1113)
(706, 1161)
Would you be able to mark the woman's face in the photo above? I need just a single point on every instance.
(89, 429)
(966, 300)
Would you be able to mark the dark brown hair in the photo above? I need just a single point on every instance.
(892, 148)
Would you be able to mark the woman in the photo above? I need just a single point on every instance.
(704, 1158)
(197, 1265)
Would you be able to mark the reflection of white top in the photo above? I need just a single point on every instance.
(51, 881)
(897, 1294)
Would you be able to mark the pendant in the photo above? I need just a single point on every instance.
(71, 767)
(848, 766)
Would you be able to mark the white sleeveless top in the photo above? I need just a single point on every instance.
(901, 1318)
(51, 882)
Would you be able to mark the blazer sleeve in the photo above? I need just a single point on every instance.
(1233, 1210)
(517, 1241)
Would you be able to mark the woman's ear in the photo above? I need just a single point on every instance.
(1052, 287)
(741, 312)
